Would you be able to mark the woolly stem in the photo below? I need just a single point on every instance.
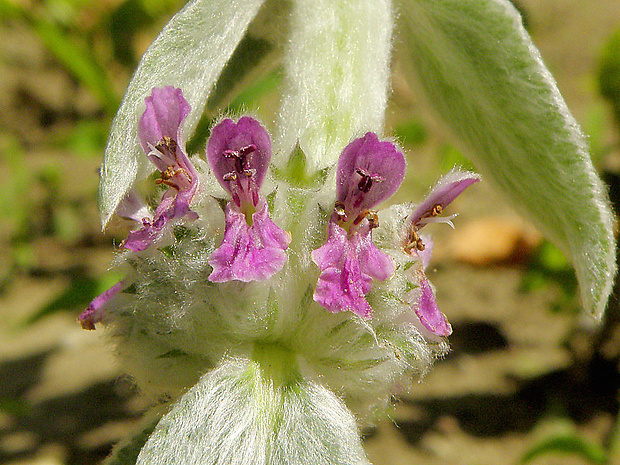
(278, 365)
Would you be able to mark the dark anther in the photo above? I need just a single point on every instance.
(167, 144)
(366, 182)
(414, 242)
(240, 157)
(171, 177)
(248, 149)
(166, 175)
(373, 220)
(372, 217)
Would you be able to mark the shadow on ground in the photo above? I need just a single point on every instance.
(61, 420)
(581, 391)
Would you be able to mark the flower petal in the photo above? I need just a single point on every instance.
(488, 82)
(174, 205)
(190, 53)
(369, 172)
(228, 137)
(160, 137)
(141, 239)
(347, 269)
(334, 249)
(95, 310)
(342, 289)
(166, 108)
(249, 253)
(427, 310)
(425, 255)
(133, 207)
(373, 262)
(445, 191)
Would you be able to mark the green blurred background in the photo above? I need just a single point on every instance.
(529, 380)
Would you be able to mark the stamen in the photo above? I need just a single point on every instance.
(166, 175)
(414, 242)
(171, 173)
(431, 216)
(373, 220)
(340, 211)
(372, 217)
(238, 187)
(248, 149)
(167, 144)
(367, 179)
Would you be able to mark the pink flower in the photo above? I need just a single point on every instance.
(253, 248)
(160, 138)
(369, 172)
(429, 210)
(95, 310)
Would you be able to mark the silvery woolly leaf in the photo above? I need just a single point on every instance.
(236, 415)
(189, 53)
(337, 76)
(487, 81)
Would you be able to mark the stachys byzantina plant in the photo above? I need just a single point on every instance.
(268, 282)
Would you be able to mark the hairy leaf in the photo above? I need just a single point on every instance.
(239, 414)
(487, 81)
(190, 53)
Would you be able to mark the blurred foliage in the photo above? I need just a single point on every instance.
(33, 207)
(450, 156)
(412, 133)
(548, 266)
(76, 296)
(609, 73)
(91, 40)
(567, 441)
(567, 444)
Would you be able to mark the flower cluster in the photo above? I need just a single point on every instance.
(253, 248)
(223, 283)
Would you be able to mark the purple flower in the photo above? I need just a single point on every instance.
(253, 248)
(94, 312)
(369, 172)
(160, 138)
(445, 191)
(428, 211)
